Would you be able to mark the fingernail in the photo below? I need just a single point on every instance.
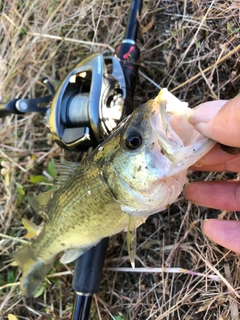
(204, 112)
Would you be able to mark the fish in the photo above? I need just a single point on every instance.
(138, 170)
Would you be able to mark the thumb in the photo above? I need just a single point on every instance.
(219, 120)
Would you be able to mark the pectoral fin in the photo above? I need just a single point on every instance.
(132, 238)
(40, 202)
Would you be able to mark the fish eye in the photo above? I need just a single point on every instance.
(133, 140)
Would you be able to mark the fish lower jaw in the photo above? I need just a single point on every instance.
(143, 214)
(158, 197)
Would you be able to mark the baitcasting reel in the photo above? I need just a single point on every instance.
(89, 103)
(87, 106)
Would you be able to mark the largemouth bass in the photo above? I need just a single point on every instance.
(138, 170)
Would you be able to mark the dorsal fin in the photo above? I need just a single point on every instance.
(64, 170)
(40, 202)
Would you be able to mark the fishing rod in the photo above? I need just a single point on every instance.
(87, 106)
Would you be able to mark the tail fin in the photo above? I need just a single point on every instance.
(33, 268)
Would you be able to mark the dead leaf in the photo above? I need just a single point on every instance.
(147, 27)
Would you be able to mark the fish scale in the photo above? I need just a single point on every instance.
(64, 208)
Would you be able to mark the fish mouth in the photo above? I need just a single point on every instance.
(168, 140)
(174, 134)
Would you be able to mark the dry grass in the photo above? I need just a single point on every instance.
(191, 47)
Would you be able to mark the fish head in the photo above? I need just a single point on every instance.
(153, 149)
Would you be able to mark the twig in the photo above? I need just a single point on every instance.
(11, 160)
(13, 238)
(66, 39)
(170, 270)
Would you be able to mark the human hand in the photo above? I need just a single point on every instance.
(219, 120)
